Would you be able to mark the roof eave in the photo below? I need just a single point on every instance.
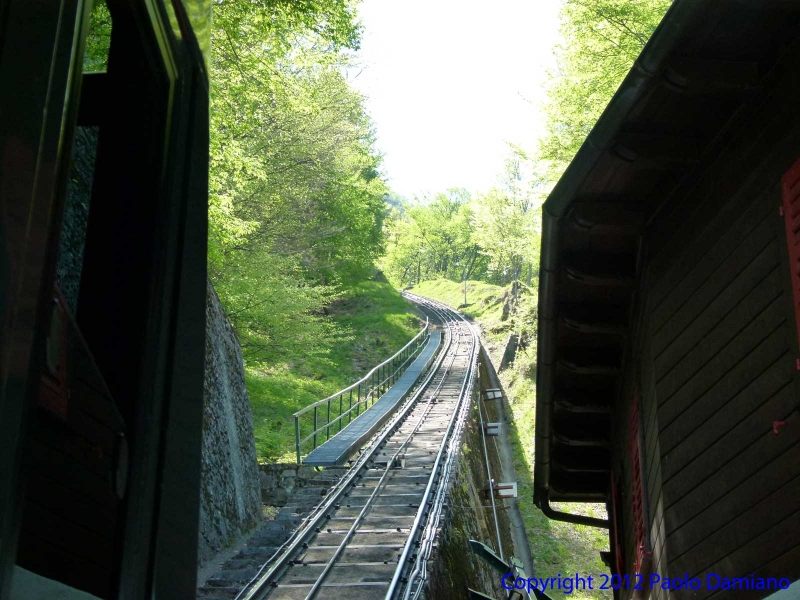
(642, 75)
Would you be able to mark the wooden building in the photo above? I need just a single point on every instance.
(101, 388)
(668, 375)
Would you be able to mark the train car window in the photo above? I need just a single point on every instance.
(76, 215)
(72, 241)
(98, 40)
(199, 13)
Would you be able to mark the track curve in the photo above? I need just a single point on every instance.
(372, 535)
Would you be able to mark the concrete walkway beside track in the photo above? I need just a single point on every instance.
(337, 450)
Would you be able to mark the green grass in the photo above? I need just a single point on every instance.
(484, 300)
(556, 547)
(379, 322)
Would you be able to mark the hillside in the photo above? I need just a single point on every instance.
(375, 322)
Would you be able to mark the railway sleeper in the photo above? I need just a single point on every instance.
(362, 538)
(366, 591)
(367, 572)
(352, 554)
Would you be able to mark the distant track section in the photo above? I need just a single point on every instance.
(373, 534)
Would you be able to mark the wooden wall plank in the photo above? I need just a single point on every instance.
(723, 512)
(715, 362)
(770, 511)
(707, 492)
(730, 447)
(722, 356)
(773, 542)
(83, 452)
(741, 411)
(786, 565)
(694, 411)
(73, 539)
(39, 556)
(69, 473)
(724, 235)
(62, 501)
(710, 305)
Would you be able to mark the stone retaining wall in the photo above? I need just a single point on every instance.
(230, 504)
(278, 481)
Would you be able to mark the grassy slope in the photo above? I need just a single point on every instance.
(556, 547)
(380, 323)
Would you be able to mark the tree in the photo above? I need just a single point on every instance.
(432, 238)
(601, 40)
(507, 220)
(296, 194)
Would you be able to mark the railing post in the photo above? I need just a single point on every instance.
(297, 436)
(328, 426)
(368, 390)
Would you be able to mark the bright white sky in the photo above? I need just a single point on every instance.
(450, 82)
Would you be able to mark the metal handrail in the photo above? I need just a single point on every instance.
(371, 388)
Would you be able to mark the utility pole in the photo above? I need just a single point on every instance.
(464, 277)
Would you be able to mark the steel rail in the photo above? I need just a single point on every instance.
(389, 464)
(260, 585)
(422, 512)
(426, 543)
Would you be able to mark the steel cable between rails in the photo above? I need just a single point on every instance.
(454, 428)
(491, 496)
(389, 464)
(419, 574)
(426, 543)
(260, 584)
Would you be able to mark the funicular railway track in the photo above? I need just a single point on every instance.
(372, 535)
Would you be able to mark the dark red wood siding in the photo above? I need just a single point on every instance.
(790, 190)
(719, 357)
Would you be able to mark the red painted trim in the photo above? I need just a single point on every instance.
(637, 491)
(615, 525)
(790, 189)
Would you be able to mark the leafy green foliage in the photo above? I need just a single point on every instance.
(296, 208)
(431, 239)
(273, 308)
(98, 39)
(295, 194)
(493, 236)
(600, 42)
(374, 322)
